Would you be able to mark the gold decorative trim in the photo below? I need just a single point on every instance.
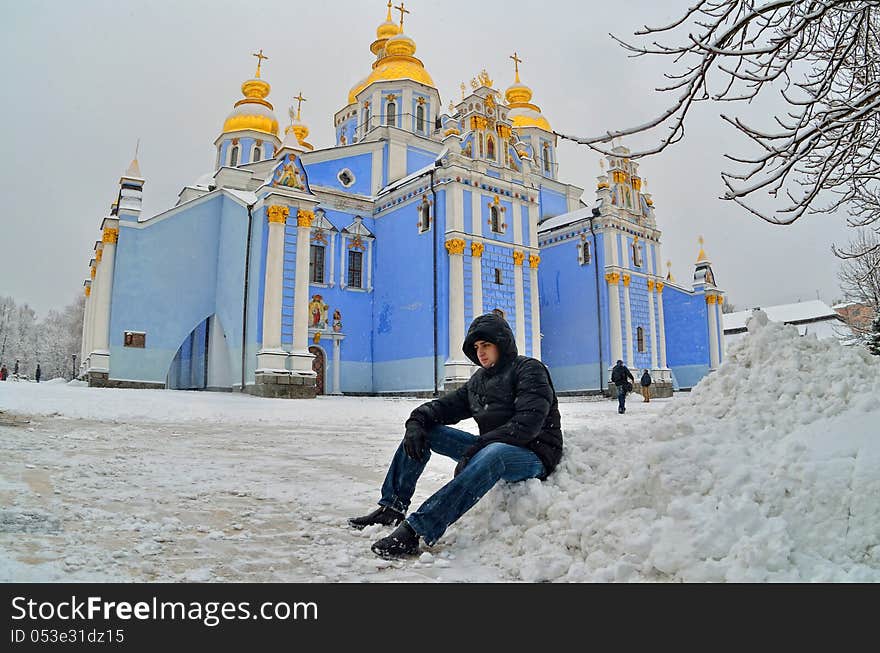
(720, 299)
(278, 214)
(455, 246)
(518, 257)
(99, 255)
(612, 278)
(626, 280)
(477, 249)
(650, 285)
(88, 291)
(711, 299)
(305, 218)
(534, 260)
(660, 286)
(110, 235)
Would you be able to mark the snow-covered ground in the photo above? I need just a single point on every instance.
(769, 470)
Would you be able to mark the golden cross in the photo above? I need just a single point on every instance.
(402, 11)
(299, 100)
(389, 11)
(260, 56)
(516, 62)
(462, 90)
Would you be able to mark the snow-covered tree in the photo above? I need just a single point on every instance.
(874, 337)
(821, 150)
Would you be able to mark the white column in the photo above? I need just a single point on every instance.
(100, 357)
(533, 225)
(613, 279)
(534, 261)
(517, 225)
(457, 367)
(369, 270)
(627, 310)
(652, 324)
(332, 257)
(337, 347)
(477, 277)
(519, 301)
(271, 357)
(300, 357)
(87, 314)
(711, 309)
(662, 333)
(455, 208)
(90, 325)
(476, 212)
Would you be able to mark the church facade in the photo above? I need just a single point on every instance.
(293, 271)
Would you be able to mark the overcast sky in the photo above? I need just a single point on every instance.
(84, 80)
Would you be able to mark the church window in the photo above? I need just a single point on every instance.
(640, 339)
(627, 197)
(316, 264)
(495, 217)
(420, 118)
(391, 111)
(546, 157)
(585, 255)
(490, 148)
(481, 146)
(355, 269)
(218, 158)
(637, 255)
(346, 177)
(498, 279)
(367, 116)
(257, 154)
(424, 217)
(233, 156)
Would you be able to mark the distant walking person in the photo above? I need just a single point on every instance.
(646, 386)
(619, 376)
(3, 372)
(37, 374)
(15, 369)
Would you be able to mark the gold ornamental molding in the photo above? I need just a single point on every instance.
(455, 246)
(518, 257)
(99, 254)
(660, 286)
(650, 285)
(278, 214)
(477, 249)
(534, 260)
(612, 278)
(110, 235)
(305, 218)
(711, 299)
(626, 280)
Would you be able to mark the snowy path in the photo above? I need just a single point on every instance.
(168, 486)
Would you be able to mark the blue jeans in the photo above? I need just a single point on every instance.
(621, 397)
(494, 462)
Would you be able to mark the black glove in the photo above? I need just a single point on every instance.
(415, 441)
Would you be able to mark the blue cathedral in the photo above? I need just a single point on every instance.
(355, 269)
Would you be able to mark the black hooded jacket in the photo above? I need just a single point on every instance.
(512, 402)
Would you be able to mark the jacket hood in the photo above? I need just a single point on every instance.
(491, 328)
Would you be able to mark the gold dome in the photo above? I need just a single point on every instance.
(522, 113)
(394, 51)
(253, 111)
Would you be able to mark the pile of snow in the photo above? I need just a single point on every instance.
(58, 381)
(768, 471)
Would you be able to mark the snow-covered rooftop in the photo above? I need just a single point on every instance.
(786, 313)
(565, 218)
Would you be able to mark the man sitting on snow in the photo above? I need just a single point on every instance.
(512, 400)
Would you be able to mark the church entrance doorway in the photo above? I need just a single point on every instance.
(319, 366)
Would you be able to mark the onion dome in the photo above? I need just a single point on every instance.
(522, 113)
(253, 111)
(396, 61)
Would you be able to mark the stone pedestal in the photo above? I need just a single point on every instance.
(283, 386)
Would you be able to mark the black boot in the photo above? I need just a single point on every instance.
(403, 541)
(384, 516)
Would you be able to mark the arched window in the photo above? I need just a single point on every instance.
(586, 257)
(495, 217)
(367, 116)
(546, 157)
(420, 118)
(391, 111)
(233, 156)
(637, 255)
(218, 158)
(498, 278)
(257, 154)
(640, 339)
(490, 148)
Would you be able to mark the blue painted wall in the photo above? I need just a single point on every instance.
(325, 173)
(417, 158)
(552, 203)
(687, 335)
